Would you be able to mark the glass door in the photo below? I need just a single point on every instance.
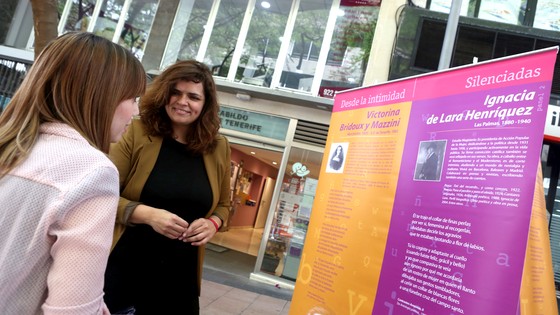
(286, 234)
(254, 169)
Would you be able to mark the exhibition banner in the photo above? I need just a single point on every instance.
(425, 196)
(538, 292)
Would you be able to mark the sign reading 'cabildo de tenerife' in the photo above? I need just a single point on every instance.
(254, 123)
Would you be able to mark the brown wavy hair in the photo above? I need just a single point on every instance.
(79, 79)
(201, 136)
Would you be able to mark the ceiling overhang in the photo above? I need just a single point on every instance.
(276, 95)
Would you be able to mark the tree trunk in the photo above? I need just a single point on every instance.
(45, 22)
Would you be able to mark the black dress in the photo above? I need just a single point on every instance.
(146, 270)
(429, 168)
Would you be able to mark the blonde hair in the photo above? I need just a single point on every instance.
(79, 79)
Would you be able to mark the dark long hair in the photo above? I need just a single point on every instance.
(337, 164)
(201, 135)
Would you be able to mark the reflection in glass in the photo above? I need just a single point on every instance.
(504, 11)
(79, 15)
(224, 36)
(350, 48)
(137, 25)
(292, 212)
(547, 15)
(8, 8)
(139, 19)
(305, 45)
(108, 17)
(445, 6)
(195, 27)
(263, 43)
(421, 3)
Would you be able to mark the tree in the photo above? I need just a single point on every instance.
(46, 16)
(45, 22)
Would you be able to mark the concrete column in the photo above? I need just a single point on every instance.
(380, 57)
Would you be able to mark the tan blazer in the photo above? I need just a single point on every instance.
(135, 156)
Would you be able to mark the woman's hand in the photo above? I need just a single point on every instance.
(168, 224)
(200, 231)
(162, 221)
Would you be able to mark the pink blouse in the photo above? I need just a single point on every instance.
(57, 214)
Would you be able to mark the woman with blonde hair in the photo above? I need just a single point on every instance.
(58, 189)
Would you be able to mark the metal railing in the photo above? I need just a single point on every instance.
(14, 65)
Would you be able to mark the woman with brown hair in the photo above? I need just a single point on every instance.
(58, 189)
(175, 176)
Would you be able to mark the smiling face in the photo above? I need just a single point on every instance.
(185, 104)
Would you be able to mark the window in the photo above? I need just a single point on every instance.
(305, 45)
(547, 15)
(7, 10)
(262, 45)
(429, 45)
(504, 11)
(134, 33)
(109, 15)
(350, 48)
(472, 42)
(193, 29)
(138, 23)
(224, 35)
(16, 23)
(445, 6)
(79, 15)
